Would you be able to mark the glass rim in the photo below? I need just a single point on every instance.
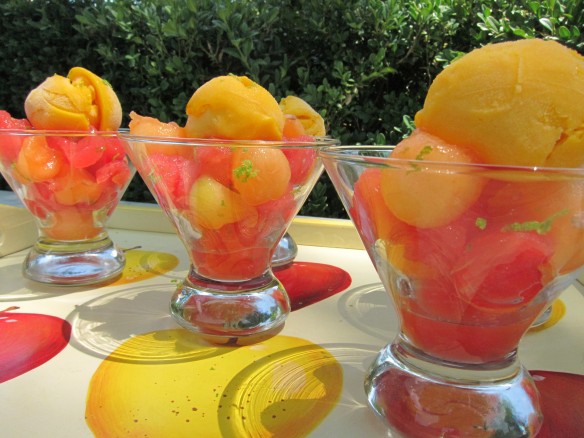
(318, 141)
(56, 133)
(352, 154)
(124, 133)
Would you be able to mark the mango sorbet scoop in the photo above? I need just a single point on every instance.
(234, 107)
(81, 101)
(517, 103)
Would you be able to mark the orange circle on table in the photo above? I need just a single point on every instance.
(284, 387)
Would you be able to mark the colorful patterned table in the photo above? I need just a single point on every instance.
(109, 361)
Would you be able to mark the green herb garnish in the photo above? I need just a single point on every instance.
(415, 168)
(155, 179)
(481, 223)
(425, 151)
(245, 171)
(420, 157)
(539, 227)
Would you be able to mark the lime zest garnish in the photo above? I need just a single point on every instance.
(542, 227)
(420, 157)
(481, 223)
(155, 179)
(425, 151)
(245, 171)
(296, 191)
(415, 168)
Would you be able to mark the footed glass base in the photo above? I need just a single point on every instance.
(235, 313)
(285, 252)
(420, 397)
(74, 263)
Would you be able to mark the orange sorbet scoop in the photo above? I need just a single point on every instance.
(81, 101)
(516, 103)
(234, 107)
(311, 121)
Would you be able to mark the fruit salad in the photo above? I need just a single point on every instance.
(232, 178)
(64, 159)
(470, 248)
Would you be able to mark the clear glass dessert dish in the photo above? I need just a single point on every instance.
(231, 203)
(471, 256)
(71, 182)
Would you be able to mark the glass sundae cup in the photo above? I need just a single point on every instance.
(471, 255)
(231, 203)
(71, 182)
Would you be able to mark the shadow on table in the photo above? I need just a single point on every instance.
(370, 310)
(104, 326)
(14, 287)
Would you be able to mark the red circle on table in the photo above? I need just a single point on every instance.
(562, 403)
(308, 283)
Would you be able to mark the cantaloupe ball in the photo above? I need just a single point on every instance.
(514, 103)
(427, 196)
(151, 127)
(234, 107)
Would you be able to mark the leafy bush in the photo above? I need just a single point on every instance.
(364, 64)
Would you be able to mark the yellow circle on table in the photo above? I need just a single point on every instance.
(283, 387)
(142, 265)
(556, 312)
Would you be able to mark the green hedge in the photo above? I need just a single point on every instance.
(364, 64)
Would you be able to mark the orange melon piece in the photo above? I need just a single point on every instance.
(433, 195)
(152, 127)
(260, 174)
(213, 205)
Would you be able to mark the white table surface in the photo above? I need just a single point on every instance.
(353, 325)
